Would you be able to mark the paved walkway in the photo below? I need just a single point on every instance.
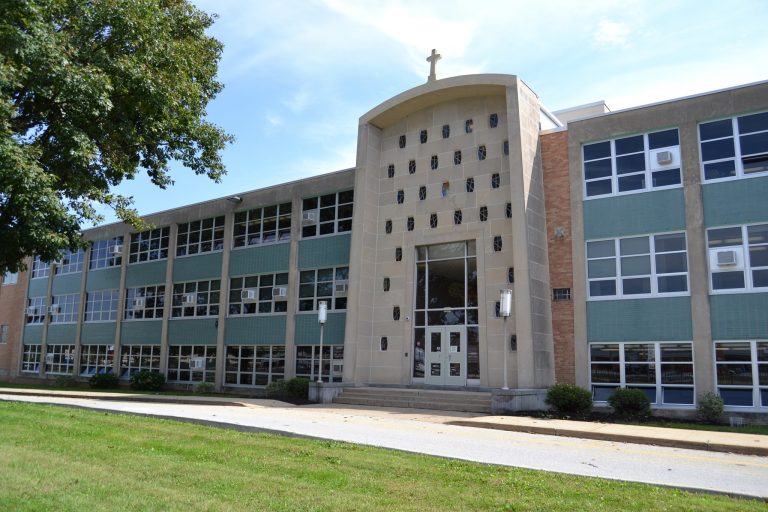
(727, 442)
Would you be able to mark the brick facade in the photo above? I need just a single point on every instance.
(12, 304)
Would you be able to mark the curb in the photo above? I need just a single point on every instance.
(163, 399)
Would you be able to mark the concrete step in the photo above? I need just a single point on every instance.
(436, 399)
(415, 404)
(466, 401)
(417, 392)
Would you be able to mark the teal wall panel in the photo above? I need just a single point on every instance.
(141, 332)
(634, 214)
(740, 316)
(324, 251)
(33, 334)
(103, 279)
(98, 333)
(260, 260)
(661, 319)
(308, 330)
(62, 334)
(68, 283)
(255, 330)
(192, 332)
(193, 268)
(141, 274)
(37, 287)
(735, 202)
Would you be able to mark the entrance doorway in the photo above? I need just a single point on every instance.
(446, 356)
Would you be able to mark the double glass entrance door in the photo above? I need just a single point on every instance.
(446, 355)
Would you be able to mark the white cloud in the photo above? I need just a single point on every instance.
(274, 120)
(298, 101)
(612, 33)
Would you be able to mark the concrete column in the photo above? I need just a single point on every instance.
(46, 320)
(168, 298)
(293, 289)
(81, 312)
(121, 302)
(221, 358)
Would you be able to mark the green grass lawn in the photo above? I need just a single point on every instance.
(54, 458)
(746, 429)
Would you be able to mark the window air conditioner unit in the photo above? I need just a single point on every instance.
(189, 299)
(32, 311)
(337, 368)
(248, 294)
(279, 291)
(341, 288)
(196, 363)
(665, 157)
(117, 250)
(49, 358)
(726, 258)
(138, 303)
(309, 217)
(54, 309)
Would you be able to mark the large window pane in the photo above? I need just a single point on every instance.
(717, 149)
(602, 268)
(716, 129)
(740, 397)
(724, 237)
(604, 353)
(601, 249)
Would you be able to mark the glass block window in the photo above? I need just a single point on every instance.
(261, 294)
(734, 147)
(30, 358)
(101, 305)
(508, 210)
(96, 359)
(196, 298)
(71, 262)
(149, 245)
(401, 142)
(433, 162)
(742, 373)
(138, 358)
(470, 184)
(262, 225)
(423, 136)
(457, 157)
(506, 147)
(411, 166)
(40, 268)
(457, 217)
(308, 362)
(64, 309)
(446, 131)
(738, 258)
(60, 360)
(144, 302)
(191, 363)
(386, 284)
(495, 180)
(391, 171)
(409, 224)
(483, 213)
(511, 275)
(324, 284)
(37, 308)
(396, 313)
(497, 244)
(249, 365)
(445, 189)
(106, 253)
(469, 125)
(400, 197)
(398, 253)
(433, 220)
(481, 152)
(388, 226)
(383, 344)
(663, 371)
(422, 193)
(201, 236)
(3, 334)
(334, 214)
(493, 120)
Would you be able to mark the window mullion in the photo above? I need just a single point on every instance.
(622, 370)
(737, 149)
(617, 267)
(614, 174)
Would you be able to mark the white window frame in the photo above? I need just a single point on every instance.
(215, 230)
(208, 352)
(738, 162)
(657, 364)
(272, 360)
(69, 308)
(30, 358)
(654, 275)
(238, 284)
(142, 244)
(129, 313)
(648, 168)
(101, 305)
(63, 359)
(202, 297)
(336, 220)
(96, 359)
(336, 353)
(147, 357)
(331, 300)
(756, 387)
(41, 303)
(102, 255)
(747, 269)
(71, 262)
(10, 278)
(40, 268)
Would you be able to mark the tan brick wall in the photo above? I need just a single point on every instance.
(12, 303)
(554, 157)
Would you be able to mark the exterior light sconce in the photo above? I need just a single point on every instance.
(560, 232)
(505, 310)
(322, 317)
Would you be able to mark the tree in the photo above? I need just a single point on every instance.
(93, 92)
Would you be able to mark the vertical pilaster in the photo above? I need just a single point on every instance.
(221, 358)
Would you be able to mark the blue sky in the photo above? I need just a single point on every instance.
(299, 73)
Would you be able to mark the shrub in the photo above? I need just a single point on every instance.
(567, 398)
(630, 403)
(65, 381)
(103, 381)
(146, 380)
(297, 387)
(276, 387)
(710, 407)
(204, 387)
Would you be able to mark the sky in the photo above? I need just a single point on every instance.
(298, 74)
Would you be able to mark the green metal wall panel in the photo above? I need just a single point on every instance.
(735, 202)
(98, 333)
(62, 334)
(192, 332)
(68, 283)
(634, 214)
(141, 332)
(324, 251)
(740, 316)
(256, 330)
(193, 268)
(37, 287)
(661, 319)
(260, 260)
(141, 274)
(103, 279)
(308, 330)
(33, 334)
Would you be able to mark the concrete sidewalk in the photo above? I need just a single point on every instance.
(727, 442)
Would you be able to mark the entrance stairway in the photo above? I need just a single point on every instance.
(439, 400)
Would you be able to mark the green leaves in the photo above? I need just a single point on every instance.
(90, 94)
